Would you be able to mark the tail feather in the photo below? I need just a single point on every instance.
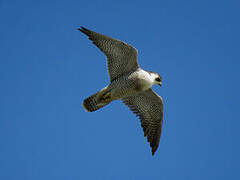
(95, 101)
(90, 104)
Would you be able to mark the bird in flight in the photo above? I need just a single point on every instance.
(129, 83)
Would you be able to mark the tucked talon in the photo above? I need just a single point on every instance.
(106, 97)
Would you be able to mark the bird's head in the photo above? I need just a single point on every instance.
(157, 79)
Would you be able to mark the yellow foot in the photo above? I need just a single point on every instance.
(106, 97)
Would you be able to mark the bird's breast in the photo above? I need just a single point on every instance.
(130, 84)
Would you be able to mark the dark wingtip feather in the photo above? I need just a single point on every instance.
(84, 30)
(153, 150)
(80, 29)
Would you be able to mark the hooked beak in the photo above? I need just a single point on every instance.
(160, 84)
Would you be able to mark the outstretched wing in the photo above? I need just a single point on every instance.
(148, 106)
(121, 57)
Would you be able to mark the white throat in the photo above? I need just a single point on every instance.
(148, 79)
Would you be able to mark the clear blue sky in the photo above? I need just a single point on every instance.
(47, 68)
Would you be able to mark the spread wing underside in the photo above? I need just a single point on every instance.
(148, 107)
(121, 57)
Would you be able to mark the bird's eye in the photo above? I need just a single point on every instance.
(157, 79)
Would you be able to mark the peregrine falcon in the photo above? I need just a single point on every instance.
(129, 83)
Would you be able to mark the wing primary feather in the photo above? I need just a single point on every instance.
(121, 57)
(84, 30)
(147, 106)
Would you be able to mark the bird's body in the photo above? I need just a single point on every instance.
(129, 83)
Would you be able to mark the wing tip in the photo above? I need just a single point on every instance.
(83, 30)
(154, 144)
(154, 149)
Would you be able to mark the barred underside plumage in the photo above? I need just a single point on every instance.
(90, 104)
(148, 106)
(129, 83)
(93, 102)
(121, 57)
